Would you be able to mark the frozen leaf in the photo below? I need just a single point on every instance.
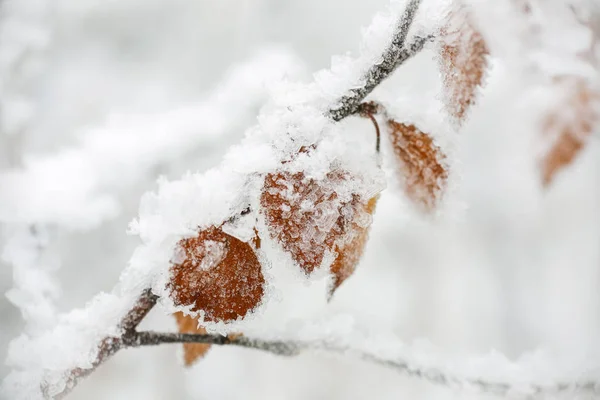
(463, 63)
(570, 126)
(308, 218)
(420, 164)
(191, 351)
(302, 214)
(350, 253)
(219, 275)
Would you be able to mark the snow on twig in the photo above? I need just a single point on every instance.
(396, 54)
(404, 359)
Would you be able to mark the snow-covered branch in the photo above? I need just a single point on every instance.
(109, 346)
(403, 363)
(396, 54)
(512, 380)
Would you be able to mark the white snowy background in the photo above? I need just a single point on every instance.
(100, 98)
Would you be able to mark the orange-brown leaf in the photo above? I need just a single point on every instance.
(571, 125)
(307, 218)
(463, 64)
(420, 164)
(191, 351)
(219, 275)
(305, 232)
(350, 253)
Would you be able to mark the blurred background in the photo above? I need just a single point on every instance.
(504, 266)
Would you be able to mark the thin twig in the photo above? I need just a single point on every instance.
(132, 339)
(348, 104)
(369, 110)
(144, 304)
(431, 374)
(282, 348)
(393, 56)
(111, 345)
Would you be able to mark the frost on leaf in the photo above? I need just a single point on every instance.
(191, 351)
(218, 274)
(462, 62)
(420, 164)
(569, 127)
(308, 219)
(349, 253)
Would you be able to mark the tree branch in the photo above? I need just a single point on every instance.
(282, 348)
(131, 338)
(395, 55)
(144, 304)
(111, 345)
(402, 365)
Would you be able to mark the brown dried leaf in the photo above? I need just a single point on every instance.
(420, 164)
(191, 351)
(571, 126)
(463, 64)
(307, 218)
(349, 254)
(305, 232)
(219, 275)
